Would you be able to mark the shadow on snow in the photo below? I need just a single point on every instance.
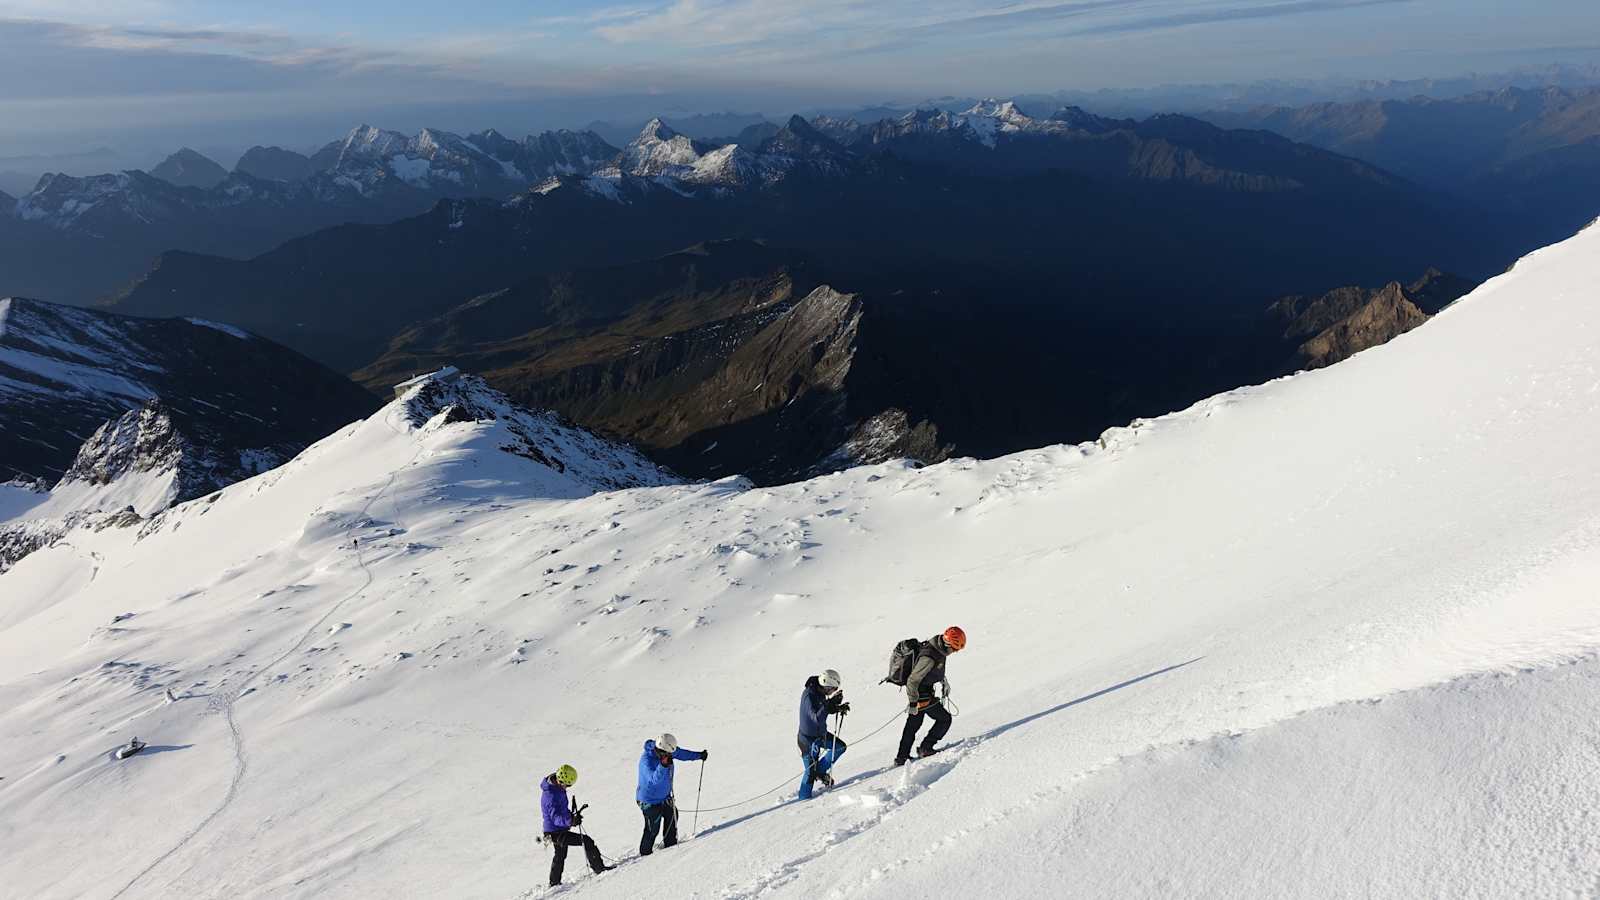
(992, 733)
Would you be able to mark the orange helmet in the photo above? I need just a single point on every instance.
(955, 638)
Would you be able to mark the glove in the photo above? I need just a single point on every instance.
(577, 820)
(705, 755)
(920, 705)
(844, 708)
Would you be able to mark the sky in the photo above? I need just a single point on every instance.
(135, 73)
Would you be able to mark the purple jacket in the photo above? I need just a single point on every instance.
(557, 809)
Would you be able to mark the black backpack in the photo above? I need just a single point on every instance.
(901, 659)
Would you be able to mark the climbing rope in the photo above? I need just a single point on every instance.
(768, 792)
(786, 782)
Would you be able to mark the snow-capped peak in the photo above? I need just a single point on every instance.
(480, 420)
(658, 150)
(365, 141)
(1004, 110)
(655, 130)
(989, 118)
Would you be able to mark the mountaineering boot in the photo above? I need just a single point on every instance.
(925, 752)
(900, 761)
(826, 779)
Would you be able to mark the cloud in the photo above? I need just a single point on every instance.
(256, 45)
(1235, 14)
(755, 23)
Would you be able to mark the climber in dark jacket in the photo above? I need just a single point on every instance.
(819, 748)
(559, 820)
(927, 671)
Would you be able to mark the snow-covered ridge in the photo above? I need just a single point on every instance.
(578, 462)
(239, 333)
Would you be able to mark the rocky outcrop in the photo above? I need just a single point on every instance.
(1347, 320)
(728, 358)
(173, 456)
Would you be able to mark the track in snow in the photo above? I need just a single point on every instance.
(223, 702)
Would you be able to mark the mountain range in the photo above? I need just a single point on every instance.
(1072, 204)
(122, 221)
(376, 176)
(916, 286)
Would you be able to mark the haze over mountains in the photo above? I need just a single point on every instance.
(1534, 153)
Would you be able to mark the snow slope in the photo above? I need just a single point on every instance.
(1177, 635)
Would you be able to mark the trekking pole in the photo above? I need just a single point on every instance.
(695, 830)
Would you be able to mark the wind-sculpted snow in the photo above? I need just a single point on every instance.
(1176, 633)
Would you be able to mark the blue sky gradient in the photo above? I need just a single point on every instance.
(97, 69)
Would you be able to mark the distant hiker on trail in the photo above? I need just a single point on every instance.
(655, 790)
(560, 817)
(819, 748)
(927, 670)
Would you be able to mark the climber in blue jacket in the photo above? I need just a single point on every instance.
(654, 795)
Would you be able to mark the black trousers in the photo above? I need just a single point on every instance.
(941, 724)
(559, 841)
(658, 818)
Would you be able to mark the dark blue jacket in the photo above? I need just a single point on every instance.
(655, 779)
(555, 806)
(815, 708)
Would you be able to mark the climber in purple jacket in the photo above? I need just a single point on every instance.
(560, 817)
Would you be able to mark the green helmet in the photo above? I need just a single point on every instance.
(566, 776)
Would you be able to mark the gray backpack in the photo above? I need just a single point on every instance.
(901, 659)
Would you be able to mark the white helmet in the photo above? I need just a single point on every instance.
(666, 743)
(829, 679)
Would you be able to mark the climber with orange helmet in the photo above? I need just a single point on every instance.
(927, 671)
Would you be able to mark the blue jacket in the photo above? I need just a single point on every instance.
(655, 779)
(815, 708)
(555, 806)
